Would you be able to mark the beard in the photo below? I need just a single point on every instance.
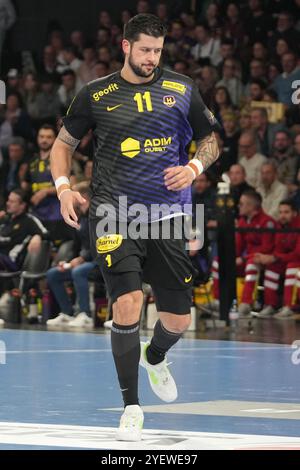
(138, 70)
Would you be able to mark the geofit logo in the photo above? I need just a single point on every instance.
(2, 352)
(112, 87)
(295, 357)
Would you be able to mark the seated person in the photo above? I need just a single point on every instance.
(17, 228)
(284, 260)
(76, 271)
(248, 244)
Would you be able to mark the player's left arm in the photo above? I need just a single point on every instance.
(204, 126)
(180, 177)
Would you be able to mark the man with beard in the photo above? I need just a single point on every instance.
(143, 117)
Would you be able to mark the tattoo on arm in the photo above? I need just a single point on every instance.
(207, 150)
(66, 137)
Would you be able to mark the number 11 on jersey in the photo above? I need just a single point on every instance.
(139, 99)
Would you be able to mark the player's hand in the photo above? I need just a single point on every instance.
(178, 177)
(68, 202)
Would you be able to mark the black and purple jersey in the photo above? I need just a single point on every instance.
(139, 130)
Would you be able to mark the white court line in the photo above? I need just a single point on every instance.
(92, 437)
(53, 351)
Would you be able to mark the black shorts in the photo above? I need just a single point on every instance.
(162, 263)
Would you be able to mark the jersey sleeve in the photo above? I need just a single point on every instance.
(201, 119)
(79, 118)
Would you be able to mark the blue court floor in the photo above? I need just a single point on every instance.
(59, 390)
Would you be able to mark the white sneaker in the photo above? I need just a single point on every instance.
(108, 324)
(2, 322)
(284, 312)
(61, 319)
(267, 312)
(131, 424)
(81, 320)
(160, 378)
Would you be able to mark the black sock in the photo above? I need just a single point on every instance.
(125, 343)
(161, 342)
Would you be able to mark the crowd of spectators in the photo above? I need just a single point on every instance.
(244, 58)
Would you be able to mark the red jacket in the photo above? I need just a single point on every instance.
(249, 243)
(287, 245)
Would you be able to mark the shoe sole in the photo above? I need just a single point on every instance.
(128, 438)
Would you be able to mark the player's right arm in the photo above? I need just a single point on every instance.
(60, 159)
(77, 122)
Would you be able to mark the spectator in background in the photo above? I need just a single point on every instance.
(71, 60)
(206, 80)
(68, 89)
(258, 23)
(16, 121)
(234, 28)
(103, 37)
(273, 71)
(257, 72)
(238, 184)
(76, 271)
(257, 89)
(207, 46)
(259, 51)
(14, 168)
(245, 119)
(17, 227)
(105, 55)
(283, 83)
(143, 7)
(57, 42)
(226, 52)
(77, 40)
(13, 82)
(284, 260)
(270, 96)
(85, 71)
(101, 69)
(284, 30)
(271, 189)
(222, 102)
(104, 19)
(282, 47)
(177, 44)
(264, 131)
(31, 95)
(250, 158)
(47, 102)
(230, 135)
(284, 158)
(204, 192)
(231, 81)
(39, 182)
(49, 64)
(248, 244)
(161, 10)
(7, 19)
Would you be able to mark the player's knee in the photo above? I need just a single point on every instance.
(127, 308)
(177, 323)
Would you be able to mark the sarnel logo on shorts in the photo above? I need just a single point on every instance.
(108, 243)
